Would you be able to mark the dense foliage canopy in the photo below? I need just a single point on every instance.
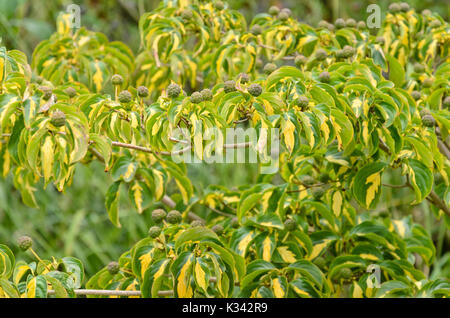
(352, 108)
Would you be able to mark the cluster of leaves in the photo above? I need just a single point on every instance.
(350, 107)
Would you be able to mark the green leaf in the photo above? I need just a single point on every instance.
(396, 72)
(367, 184)
(420, 177)
(112, 202)
(194, 235)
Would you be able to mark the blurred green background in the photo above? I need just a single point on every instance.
(75, 222)
(24, 23)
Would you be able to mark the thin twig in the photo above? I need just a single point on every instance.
(438, 202)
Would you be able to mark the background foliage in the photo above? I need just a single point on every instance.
(63, 226)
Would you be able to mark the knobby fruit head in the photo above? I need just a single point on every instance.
(218, 229)
(142, 91)
(47, 92)
(416, 95)
(207, 94)
(158, 215)
(71, 92)
(273, 10)
(339, 23)
(24, 242)
(113, 268)
(321, 54)
(116, 79)
(197, 223)
(173, 90)
(351, 23)
(317, 192)
(324, 77)
(244, 78)
(256, 29)
(196, 98)
(58, 118)
(154, 231)
(303, 101)
(125, 97)
(300, 60)
(229, 86)
(255, 89)
(269, 68)
(290, 225)
(187, 14)
(174, 217)
(394, 7)
(428, 121)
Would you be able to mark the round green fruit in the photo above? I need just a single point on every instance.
(404, 7)
(218, 229)
(290, 225)
(47, 92)
(428, 82)
(142, 91)
(273, 10)
(435, 24)
(283, 16)
(321, 54)
(351, 23)
(197, 223)
(173, 90)
(428, 121)
(24, 242)
(256, 29)
(308, 180)
(158, 215)
(320, 262)
(207, 94)
(345, 273)
(196, 98)
(317, 192)
(187, 14)
(394, 7)
(154, 231)
(419, 68)
(255, 89)
(125, 97)
(269, 68)
(116, 79)
(361, 25)
(339, 23)
(174, 217)
(324, 77)
(416, 95)
(58, 118)
(303, 101)
(71, 92)
(229, 86)
(348, 51)
(244, 78)
(113, 268)
(300, 60)
(323, 24)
